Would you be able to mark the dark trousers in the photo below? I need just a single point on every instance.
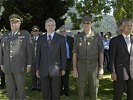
(2, 85)
(50, 87)
(65, 79)
(15, 83)
(119, 87)
(36, 84)
(106, 60)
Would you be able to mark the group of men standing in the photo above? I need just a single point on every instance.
(45, 55)
(50, 55)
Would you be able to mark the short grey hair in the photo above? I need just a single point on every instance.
(50, 20)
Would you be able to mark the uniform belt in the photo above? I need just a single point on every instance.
(87, 61)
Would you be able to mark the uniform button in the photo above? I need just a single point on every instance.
(10, 56)
(10, 51)
(11, 46)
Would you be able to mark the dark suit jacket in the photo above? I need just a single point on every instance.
(50, 60)
(16, 51)
(120, 60)
(70, 41)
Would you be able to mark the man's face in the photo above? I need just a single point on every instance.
(50, 26)
(35, 32)
(87, 26)
(15, 25)
(62, 31)
(127, 27)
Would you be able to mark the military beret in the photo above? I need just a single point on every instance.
(35, 28)
(15, 17)
(86, 19)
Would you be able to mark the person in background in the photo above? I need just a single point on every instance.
(69, 47)
(121, 61)
(88, 60)
(118, 30)
(106, 50)
(35, 81)
(50, 61)
(2, 75)
(16, 58)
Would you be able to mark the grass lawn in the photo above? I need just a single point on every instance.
(105, 90)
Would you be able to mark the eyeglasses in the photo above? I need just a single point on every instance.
(87, 23)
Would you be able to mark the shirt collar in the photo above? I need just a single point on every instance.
(90, 34)
(126, 35)
(52, 34)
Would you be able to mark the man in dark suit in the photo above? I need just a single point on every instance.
(15, 58)
(69, 47)
(121, 61)
(35, 81)
(50, 61)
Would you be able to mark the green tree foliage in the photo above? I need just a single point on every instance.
(35, 12)
(122, 9)
(91, 8)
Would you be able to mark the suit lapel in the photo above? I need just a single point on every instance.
(54, 38)
(45, 39)
(131, 38)
(122, 40)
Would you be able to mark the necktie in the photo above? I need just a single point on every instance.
(128, 43)
(49, 39)
(12, 34)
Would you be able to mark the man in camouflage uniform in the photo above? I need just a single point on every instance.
(87, 56)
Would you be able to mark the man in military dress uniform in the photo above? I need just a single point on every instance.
(87, 49)
(35, 81)
(15, 58)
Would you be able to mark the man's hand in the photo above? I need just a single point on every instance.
(75, 73)
(114, 76)
(101, 72)
(37, 74)
(2, 68)
(63, 72)
(28, 69)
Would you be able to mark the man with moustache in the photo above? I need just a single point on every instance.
(15, 58)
